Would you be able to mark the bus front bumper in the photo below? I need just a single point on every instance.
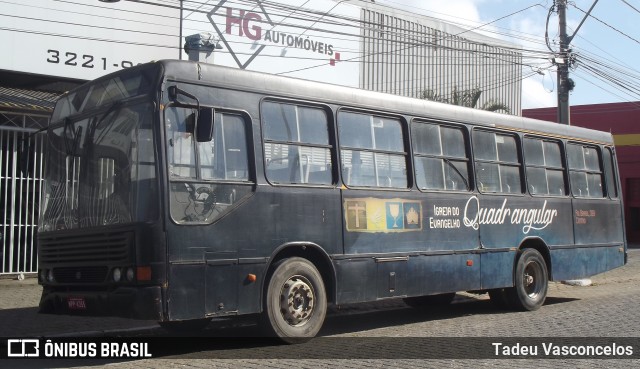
(125, 302)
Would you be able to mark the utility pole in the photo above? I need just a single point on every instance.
(564, 61)
(563, 66)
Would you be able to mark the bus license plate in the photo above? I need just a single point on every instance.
(76, 303)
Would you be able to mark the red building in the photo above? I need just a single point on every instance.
(623, 121)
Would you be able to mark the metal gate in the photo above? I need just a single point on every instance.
(20, 192)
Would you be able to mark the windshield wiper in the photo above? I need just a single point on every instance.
(114, 107)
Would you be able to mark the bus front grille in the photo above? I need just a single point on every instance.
(96, 249)
(80, 274)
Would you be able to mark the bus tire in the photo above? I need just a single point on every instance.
(422, 302)
(531, 282)
(295, 301)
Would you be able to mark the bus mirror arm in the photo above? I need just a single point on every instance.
(203, 122)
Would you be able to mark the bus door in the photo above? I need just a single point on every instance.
(207, 180)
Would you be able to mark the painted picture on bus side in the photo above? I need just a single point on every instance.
(382, 215)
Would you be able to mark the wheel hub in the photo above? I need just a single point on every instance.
(296, 300)
(528, 279)
(532, 274)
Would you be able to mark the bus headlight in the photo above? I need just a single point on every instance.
(43, 275)
(130, 274)
(117, 274)
(50, 276)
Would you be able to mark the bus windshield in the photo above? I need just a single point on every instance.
(101, 169)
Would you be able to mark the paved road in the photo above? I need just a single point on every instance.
(608, 308)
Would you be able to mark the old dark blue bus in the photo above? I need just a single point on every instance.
(181, 191)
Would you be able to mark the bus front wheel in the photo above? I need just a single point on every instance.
(295, 301)
(531, 282)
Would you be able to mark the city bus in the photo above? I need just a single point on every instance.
(180, 191)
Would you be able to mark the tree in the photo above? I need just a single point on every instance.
(467, 98)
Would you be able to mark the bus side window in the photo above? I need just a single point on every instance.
(225, 156)
(585, 172)
(441, 159)
(609, 165)
(372, 151)
(544, 168)
(296, 147)
(180, 148)
(497, 162)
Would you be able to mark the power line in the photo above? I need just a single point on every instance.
(164, 34)
(423, 44)
(631, 6)
(406, 38)
(607, 24)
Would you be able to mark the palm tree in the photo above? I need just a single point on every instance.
(468, 98)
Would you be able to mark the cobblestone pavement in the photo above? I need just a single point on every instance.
(608, 308)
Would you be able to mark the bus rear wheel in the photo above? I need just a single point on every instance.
(295, 301)
(531, 282)
(430, 301)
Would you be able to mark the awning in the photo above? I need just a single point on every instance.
(27, 100)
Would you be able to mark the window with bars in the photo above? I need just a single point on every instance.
(585, 171)
(296, 144)
(372, 151)
(441, 158)
(545, 170)
(497, 162)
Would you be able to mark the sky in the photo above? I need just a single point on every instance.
(86, 39)
(596, 44)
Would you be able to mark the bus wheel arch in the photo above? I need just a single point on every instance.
(315, 254)
(539, 245)
(296, 291)
(530, 277)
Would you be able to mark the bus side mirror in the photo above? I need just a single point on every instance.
(204, 126)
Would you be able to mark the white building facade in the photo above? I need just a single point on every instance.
(407, 54)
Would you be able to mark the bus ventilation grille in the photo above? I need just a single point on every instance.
(98, 249)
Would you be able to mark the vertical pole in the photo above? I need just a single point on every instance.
(563, 66)
(180, 39)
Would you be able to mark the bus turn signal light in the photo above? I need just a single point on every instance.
(144, 273)
(469, 263)
(251, 278)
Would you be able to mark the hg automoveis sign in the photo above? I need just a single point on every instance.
(247, 31)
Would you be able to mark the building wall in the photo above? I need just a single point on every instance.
(623, 121)
(406, 54)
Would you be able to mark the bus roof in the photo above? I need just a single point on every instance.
(354, 97)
